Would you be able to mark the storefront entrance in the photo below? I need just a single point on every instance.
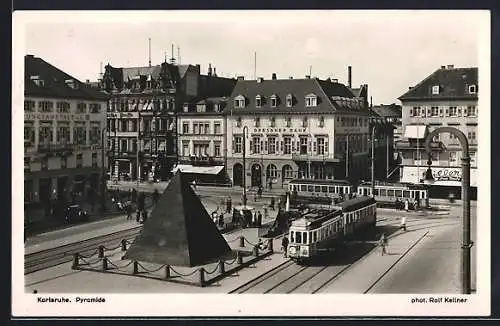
(238, 174)
(256, 175)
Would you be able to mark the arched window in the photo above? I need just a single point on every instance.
(271, 171)
(311, 100)
(274, 100)
(239, 101)
(289, 101)
(258, 101)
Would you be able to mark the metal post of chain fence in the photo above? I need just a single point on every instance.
(76, 258)
(124, 245)
(202, 276)
(256, 251)
(221, 267)
(136, 268)
(105, 264)
(167, 272)
(270, 245)
(239, 258)
(242, 241)
(100, 251)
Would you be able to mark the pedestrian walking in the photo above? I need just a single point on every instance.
(284, 246)
(259, 192)
(228, 204)
(144, 216)
(138, 216)
(156, 196)
(129, 211)
(407, 205)
(221, 220)
(259, 219)
(403, 223)
(383, 243)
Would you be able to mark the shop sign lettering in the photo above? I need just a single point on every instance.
(447, 174)
(53, 116)
(279, 130)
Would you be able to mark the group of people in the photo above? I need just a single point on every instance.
(406, 204)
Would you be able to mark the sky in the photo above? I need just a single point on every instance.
(388, 50)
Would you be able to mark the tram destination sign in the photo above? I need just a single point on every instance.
(54, 116)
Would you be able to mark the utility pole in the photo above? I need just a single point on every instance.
(245, 129)
(373, 161)
(103, 174)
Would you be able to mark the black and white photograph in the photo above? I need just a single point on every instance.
(177, 161)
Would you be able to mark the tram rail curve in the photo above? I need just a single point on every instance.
(59, 255)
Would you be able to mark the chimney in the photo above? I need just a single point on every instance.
(87, 81)
(260, 80)
(335, 80)
(349, 76)
(209, 69)
(410, 88)
(443, 67)
(198, 67)
(291, 77)
(273, 76)
(308, 76)
(215, 72)
(450, 67)
(30, 55)
(241, 78)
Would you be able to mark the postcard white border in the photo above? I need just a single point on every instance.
(240, 305)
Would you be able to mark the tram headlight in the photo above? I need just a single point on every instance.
(292, 250)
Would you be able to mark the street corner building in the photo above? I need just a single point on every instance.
(143, 113)
(447, 97)
(64, 121)
(282, 129)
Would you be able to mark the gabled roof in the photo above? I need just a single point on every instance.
(326, 92)
(388, 111)
(453, 84)
(131, 72)
(54, 82)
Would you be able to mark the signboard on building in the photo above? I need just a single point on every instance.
(54, 116)
(279, 130)
(443, 176)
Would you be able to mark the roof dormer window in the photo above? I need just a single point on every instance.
(274, 101)
(70, 83)
(472, 89)
(36, 79)
(258, 101)
(311, 100)
(239, 101)
(435, 90)
(289, 101)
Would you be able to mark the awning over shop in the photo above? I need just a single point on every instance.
(415, 131)
(185, 168)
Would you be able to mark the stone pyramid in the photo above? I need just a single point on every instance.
(179, 231)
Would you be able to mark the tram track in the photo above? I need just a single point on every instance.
(59, 255)
(289, 277)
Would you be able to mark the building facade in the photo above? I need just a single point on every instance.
(63, 132)
(202, 133)
(448, 97)
(143, 113)
(295, 128)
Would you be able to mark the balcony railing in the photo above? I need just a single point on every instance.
(315, 157)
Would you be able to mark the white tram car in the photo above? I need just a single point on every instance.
(390, 193)
(320, 188)
(321, 231)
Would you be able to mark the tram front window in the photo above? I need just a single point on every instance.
(299, 237)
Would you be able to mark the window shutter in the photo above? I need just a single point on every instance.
(411, 112)
(293, 146)
(266, 145)
(326, 146)
(281, 146)
(232, 147)
(309, 146)
(251, 146)
(261, 145)
(314, 147)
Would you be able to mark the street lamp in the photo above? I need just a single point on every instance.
(465, 270)
(245, 131)
(373, 161)
(103, 174)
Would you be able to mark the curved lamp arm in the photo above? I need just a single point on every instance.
(460, 135)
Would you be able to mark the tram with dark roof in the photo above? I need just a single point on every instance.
(325, 230)
(314, 188)
(395, 194)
